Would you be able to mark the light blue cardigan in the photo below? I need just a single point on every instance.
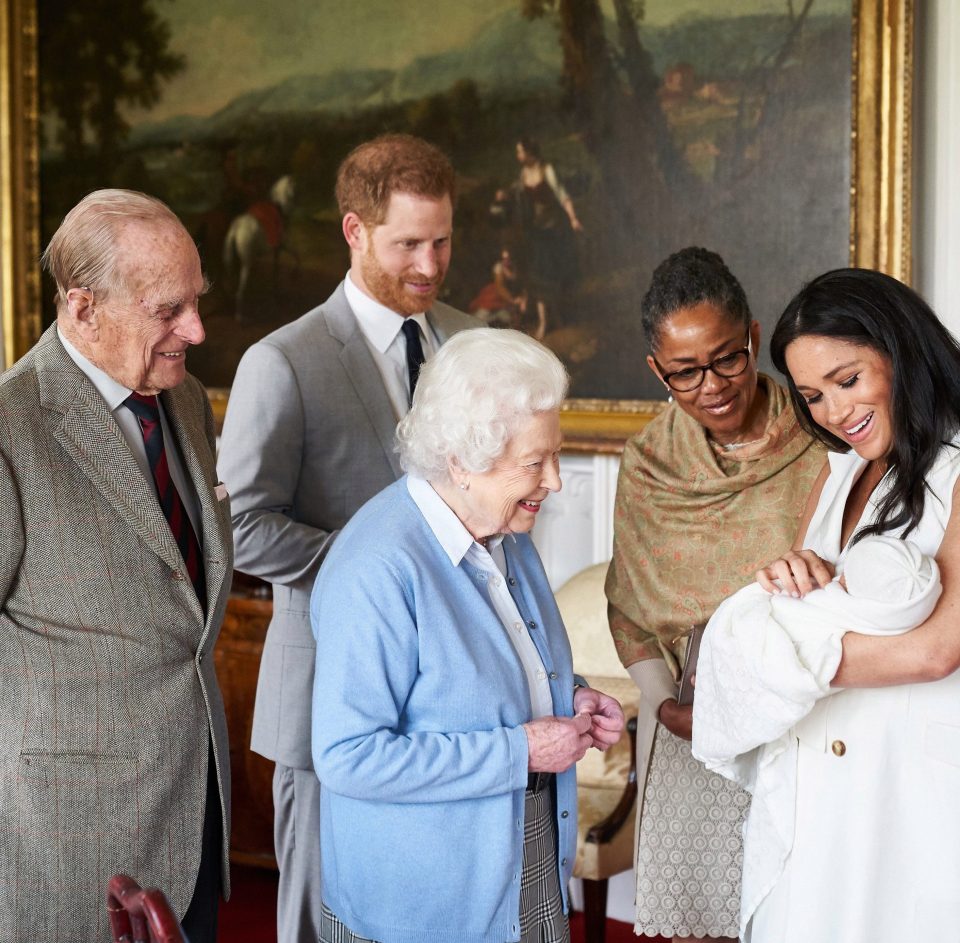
(418, 702)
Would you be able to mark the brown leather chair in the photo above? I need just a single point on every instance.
(606, 782)
(140, 916)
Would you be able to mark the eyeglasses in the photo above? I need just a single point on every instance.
(727, 366)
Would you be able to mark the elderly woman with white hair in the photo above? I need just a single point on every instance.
(446, 716)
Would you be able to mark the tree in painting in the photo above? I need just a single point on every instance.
(681, 157)
(613, 89)
(107, 55)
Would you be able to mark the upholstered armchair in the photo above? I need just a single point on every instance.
(606, 782)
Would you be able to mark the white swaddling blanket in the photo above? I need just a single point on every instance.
(766, 660)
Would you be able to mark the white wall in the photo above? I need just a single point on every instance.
(936, 152)
(575, 526)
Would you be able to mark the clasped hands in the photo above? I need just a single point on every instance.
(555, 743)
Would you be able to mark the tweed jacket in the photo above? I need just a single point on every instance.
(308, 438)
(109, 697)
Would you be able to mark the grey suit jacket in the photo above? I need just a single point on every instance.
(308, 438)
(109, 698)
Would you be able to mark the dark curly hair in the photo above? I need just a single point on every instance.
(687, 278)
(873, 310)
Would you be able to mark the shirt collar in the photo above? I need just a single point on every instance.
(380, 324)
(114, 393)
(453, 537)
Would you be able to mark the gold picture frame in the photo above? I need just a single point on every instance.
(880, 189)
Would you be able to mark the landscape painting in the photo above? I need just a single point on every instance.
(591, 139)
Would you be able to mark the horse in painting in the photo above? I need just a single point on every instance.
(259, 230)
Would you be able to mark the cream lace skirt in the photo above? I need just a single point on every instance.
(690, 846)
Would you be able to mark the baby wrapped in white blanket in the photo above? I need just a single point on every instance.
(764, 662)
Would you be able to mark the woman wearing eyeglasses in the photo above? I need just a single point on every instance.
(708, 492)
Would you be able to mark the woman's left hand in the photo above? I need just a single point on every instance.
(606, 715)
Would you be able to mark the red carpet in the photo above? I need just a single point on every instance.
(250, 915)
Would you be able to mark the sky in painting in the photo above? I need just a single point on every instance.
(235, 46)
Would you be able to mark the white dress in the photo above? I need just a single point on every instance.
(876, 849)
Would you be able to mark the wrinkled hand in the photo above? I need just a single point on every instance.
(606, 714)
(677, 718)
(554, 744)
(798, 572)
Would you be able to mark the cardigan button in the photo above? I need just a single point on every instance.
(553, 676)
(838, 747)
(564, 814)
(532, 624)
(512, 581)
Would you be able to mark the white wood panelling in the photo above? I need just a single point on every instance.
(936, 154)
(575, 525)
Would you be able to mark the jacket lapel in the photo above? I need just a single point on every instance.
(444, 325)
(185, 416)
(91, 437)
(363, 373)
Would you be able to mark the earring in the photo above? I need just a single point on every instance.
(464, 485)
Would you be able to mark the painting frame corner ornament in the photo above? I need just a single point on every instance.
(880, 210)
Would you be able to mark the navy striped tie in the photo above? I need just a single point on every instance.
(147, 411)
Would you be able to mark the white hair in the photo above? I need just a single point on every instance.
(472, 396)
(82, 252)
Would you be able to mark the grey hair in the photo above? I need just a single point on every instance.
(472, 396)
(687, 278)
(82, 252)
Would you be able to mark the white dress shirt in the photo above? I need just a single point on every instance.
(381, 329)
(457, 543)
(115, 394)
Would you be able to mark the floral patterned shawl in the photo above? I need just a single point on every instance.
(693, 522)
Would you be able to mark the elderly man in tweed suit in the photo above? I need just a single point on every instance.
(115, 562)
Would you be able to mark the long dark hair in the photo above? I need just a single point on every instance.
(873, 310)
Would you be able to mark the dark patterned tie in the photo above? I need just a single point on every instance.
(415, 358)
(147, 411)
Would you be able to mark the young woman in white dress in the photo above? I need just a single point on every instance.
(875, 851)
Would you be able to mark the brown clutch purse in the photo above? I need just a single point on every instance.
(685, 695)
